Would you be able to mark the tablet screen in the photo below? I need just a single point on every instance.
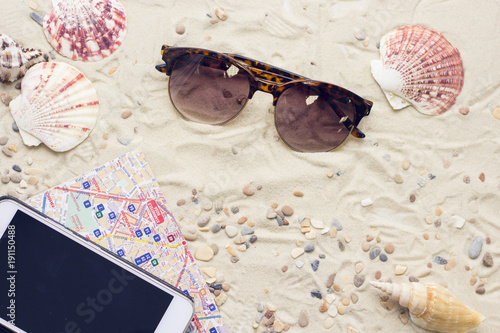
(49, 283)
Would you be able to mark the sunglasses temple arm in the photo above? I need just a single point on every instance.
(161, 68)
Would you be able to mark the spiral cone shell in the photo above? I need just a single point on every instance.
(58, 106)
(432, 306)
(15, 60)
(87, 30)
(419, 66)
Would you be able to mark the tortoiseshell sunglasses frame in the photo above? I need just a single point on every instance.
(275, 81)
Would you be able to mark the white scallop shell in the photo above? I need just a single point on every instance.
(58, 106)
(15, 60)
(419, 66)
(87, 30)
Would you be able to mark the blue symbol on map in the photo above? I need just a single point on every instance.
(138, 233)
(138, 261)
(147, 231)
(213, 329)
(97, 232)
(121, 253)
(112, 215)
(147, 256)
(156, 238)
(211, 307)
(131, 208)
(100, 207)
(86, 204)
(186, 292)
(86, 185)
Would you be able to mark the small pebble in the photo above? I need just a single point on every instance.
(126, 114)
(322, 256)
(457, 221)
(298, 194)
(297, 252)
(487, 260)
(18, 86)
(473, 280)
(333, 232)
(466, 179)
(7, 152)
(426, 236)
(387, 305)
(246, 231)
(190, 237)
(359, 34)
(488, 240)
(476, 247)
(464, 110)
(242, 220)
(496, 112)
(284, 268)
(231, 231)
(33, 180)
(23, 184)
(318, 224)
(359, 280)
(180, 29)
(6, 99)
(336, 287)
(5, 179)
(271, 214)
(303, 319)
(235, 210)
(253, 239)
(4, 140)
(204, 253)
(124, 140)
(358, 267)
(336, 224)
(354, 298)
(287, 210)
(12, 147)
(374, 253)
(249, 189)
(234, 260)
(316, 294)
(451, 264)
(400, 269)
(398, 179)
(331, 279)
(383, 257)
(412, 197)
(413, 279)
(309, 247)
(378, 275)
(181, 202)
(341, 310)
(406, 164)
(203, 221)
(216, 228)
(440, 260)
(365, 246)
(280, 220)
(366, 202)
(480, 290)
(482, 177)
(16, 178)
(14, 127)
(299, 263)
(389, 248)
(332, 311)
(341, 246)
(315, 265)
(215, 248)
(219, 12)
(328, 323)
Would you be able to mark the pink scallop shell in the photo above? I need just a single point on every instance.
(419, 66)
(87, 30)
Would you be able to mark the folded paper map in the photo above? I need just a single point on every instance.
(120, 207)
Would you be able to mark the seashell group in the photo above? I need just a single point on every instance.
(419, 66)
(432, 306)
(58, 106)
(15, 60)
(87, 30)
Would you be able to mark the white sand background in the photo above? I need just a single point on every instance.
(316, 39)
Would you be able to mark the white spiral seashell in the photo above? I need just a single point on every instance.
(15, 60)
(87, 30)
(58, 106)
(432, 306)
(419, 66)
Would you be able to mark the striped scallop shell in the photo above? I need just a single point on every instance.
(419, 66)
(15, 60)
(58, 106)
(87, 30)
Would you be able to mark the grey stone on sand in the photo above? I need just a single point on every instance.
(309, 247)
(476, 247)
(246, 231)
(336, 224)
(374, 253)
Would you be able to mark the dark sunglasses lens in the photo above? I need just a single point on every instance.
(208, 90)
(308, 123)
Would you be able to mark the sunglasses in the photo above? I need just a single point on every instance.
(212, 88)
